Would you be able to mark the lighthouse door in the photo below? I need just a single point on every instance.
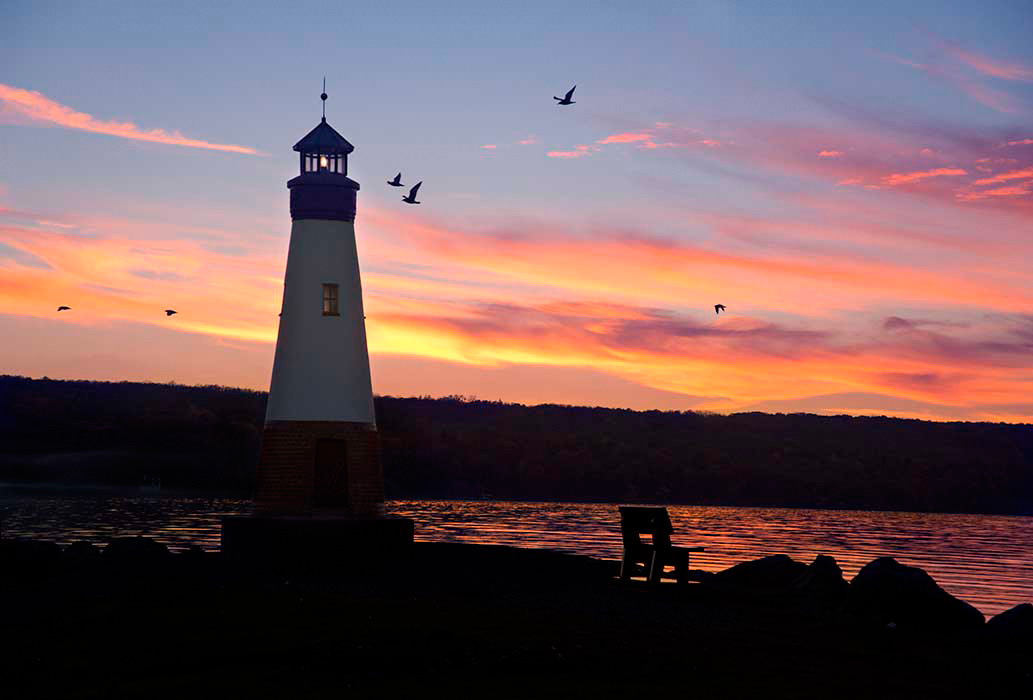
(330, 482)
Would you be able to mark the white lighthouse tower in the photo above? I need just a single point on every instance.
(320, 452)
(319, 497)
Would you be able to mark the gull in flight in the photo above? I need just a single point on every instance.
(397, 182)
(64, 308)
(169, 312)
(566, 98)
(718, 308)
(411, 199)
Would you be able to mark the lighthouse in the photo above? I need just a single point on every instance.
(319, 483)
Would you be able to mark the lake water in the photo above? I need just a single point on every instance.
(986, 560)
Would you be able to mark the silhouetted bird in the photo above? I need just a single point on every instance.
(169, 312)
(718, 308)
(566, 98)
(64, 308)
(411, 199)
(397, 182)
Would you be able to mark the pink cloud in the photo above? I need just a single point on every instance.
(1008, 191)
(1004, 177)
(906, 178)
(489, 146)
(18, 105)
(990, 66)
(629, 137)
(987, 96)
(830, 154)
(579, 151)
(528, 141)
(1021, 142)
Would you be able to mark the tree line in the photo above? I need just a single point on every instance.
(207, 439)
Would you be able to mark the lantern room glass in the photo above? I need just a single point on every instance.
(324, 162)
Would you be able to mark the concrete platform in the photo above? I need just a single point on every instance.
(314, 542)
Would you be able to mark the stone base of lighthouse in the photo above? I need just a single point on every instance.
(319, 499)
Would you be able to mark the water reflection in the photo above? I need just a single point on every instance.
(985, 560)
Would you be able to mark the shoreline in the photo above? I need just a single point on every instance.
(455, 616)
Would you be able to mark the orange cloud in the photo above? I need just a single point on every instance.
(27, 105)
(1010, 191)
(1004, 177)
(634, 268)
(906, 178)
(630, 137)
(830, 154)
(579, 151)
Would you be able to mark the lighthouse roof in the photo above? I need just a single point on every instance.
(324, 139)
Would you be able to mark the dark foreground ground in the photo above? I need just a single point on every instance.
(477, 620)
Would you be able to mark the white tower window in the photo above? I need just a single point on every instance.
(330, 300)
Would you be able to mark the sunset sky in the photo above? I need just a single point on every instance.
(854, 184)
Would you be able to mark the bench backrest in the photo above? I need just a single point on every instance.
(641, 520)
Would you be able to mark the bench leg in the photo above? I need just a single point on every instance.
(656, 568)
(683, 569)
(627, 566)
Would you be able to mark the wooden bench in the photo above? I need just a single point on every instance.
(655, 522)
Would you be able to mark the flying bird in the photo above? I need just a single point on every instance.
(169, 312)
(64, 308)
(411, 199)
(566, 98)
(718, 308)
(397, 182)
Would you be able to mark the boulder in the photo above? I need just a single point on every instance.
(81, 552)
(822, 582)
(28, 559)
(134, 549)
(901, 597)
(776, 573)
(1013, 626)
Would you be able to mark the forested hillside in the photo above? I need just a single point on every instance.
(207, 439)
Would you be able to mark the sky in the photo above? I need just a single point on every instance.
(854, 182)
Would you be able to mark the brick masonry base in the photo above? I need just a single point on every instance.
(348, 481)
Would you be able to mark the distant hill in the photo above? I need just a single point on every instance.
(207, 439)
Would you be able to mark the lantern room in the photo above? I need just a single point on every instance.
(323, 150)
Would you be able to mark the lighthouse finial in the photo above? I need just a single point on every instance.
(323, 98)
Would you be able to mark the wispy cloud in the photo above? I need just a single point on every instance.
(1020, 190)
(626, 138)
(987, 96)
(1004, 177)
(987, 65)
(20, 105)
(907, 178)
(528, 141)
(489, 146)
(830, 154)
(581, 150)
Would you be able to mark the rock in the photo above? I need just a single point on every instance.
(30, 559)
(887, 592)
(135, 549)
(822, 582)
(82, 552)
(1013, 626)
(769, 574)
